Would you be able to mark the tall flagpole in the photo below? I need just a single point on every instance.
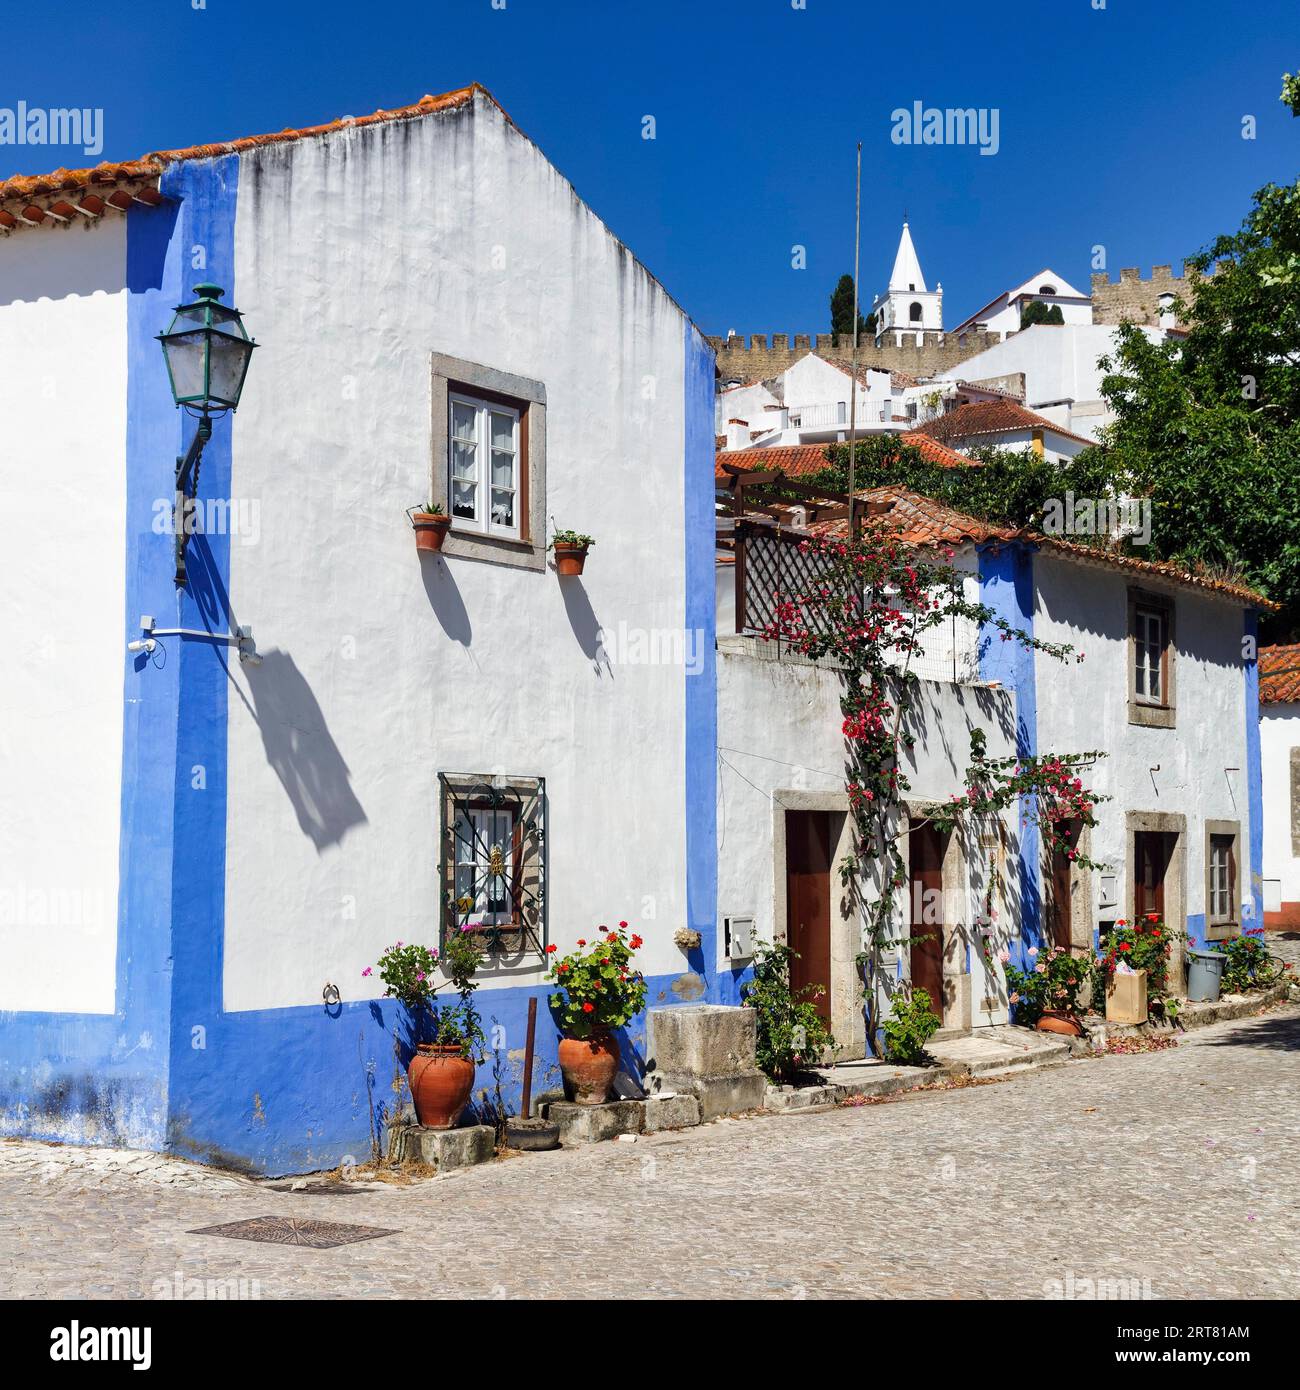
(853, 387)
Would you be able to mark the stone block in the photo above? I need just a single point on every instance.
(590, 1124)
(443, 1149)
(701, 1039)
(671, 1112)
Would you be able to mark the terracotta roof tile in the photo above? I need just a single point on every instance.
(800, 460)
(1279, 674)
(149, 166)
(991, 417)
(922, 521)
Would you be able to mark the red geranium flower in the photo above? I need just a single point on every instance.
(550, 948)
(581, 941)
(588, 1008)
(623, 924)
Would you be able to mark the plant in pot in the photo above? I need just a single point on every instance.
(599, 989)
(1046, 996)
(791, 1035)
(431, 525)
(570, 549)
(1142, 945)
(448, 1038)
(1248, 964)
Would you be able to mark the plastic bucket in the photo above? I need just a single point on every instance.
(1204, 974)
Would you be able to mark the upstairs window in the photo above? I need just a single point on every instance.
(1149, 654)
(1151, 659)
(483, 457)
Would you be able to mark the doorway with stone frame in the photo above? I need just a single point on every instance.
(1155, 875)
(937, 915)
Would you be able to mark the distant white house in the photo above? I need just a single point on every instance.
(1279, 736)
(1003, 313)
(1060, 369)
(1003, 424)
(813, 401)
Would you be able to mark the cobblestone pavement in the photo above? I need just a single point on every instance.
(1178, 1167)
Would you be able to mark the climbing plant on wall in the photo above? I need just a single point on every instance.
(868, 611)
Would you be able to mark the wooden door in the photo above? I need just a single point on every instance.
(1150, 862)
(1061, 887)
(808, 903)
(926, 847)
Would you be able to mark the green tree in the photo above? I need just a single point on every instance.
(1209, 426)
(842, 311)
(1038, 312)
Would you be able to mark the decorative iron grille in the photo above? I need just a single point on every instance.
(492, 872)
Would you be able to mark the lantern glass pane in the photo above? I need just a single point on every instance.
(186, 356)
(229, 363)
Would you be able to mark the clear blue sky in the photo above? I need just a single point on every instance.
(1119, 126)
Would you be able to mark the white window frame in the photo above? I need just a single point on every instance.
(1146, 669)
(1222, 888)
(486, 830)
(481, 521)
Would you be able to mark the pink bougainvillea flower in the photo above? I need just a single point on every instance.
(367, 971)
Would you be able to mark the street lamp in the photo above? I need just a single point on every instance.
(207, 353)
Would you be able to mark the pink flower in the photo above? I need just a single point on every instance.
(366, 971)
(419, 975)
(1004, 955)
(1033, 950)
(1040, 970)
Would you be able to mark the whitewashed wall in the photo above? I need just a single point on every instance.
(448, 234)
(63, 364)
(1279, 733)
(1085, 706)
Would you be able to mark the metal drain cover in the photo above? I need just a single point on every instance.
(289, 1230)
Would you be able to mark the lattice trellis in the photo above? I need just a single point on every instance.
(492, 869)
(771, 569)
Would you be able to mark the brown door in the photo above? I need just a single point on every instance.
(1062, 886)
(925, 850)
(808, 903)
(1150, 861)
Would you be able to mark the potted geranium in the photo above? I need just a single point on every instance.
(448, 1038)
(1046, 996)
(431, 525)
(570, 549)
(599, 989)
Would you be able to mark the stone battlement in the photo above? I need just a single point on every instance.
(1135, 297)
(750, 358)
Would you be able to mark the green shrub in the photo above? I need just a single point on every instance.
(791, 1033)
(910, 1025)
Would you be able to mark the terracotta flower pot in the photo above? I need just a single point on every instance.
(569, 559)
(440, 1080)
(1058, 1021)
(589, 1065)
(430, 530)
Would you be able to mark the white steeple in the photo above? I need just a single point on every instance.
(907, 268)
(907, 311)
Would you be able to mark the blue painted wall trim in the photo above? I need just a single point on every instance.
(1007, 587)
(1254, 769)
(102, 1078)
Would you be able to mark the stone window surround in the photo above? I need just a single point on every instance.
(1222, 931)
(472, 378)
(1162, 716)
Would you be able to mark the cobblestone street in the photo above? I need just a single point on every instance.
(1178, 1167)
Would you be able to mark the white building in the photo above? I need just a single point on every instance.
(1162, 695)
(197, 850)
(907, 310)
(812, 402)
(1060, 370)
(1279, 736)
(1003, 313)
(1002, 424)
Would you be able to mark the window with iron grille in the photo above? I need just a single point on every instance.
(492, 867)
